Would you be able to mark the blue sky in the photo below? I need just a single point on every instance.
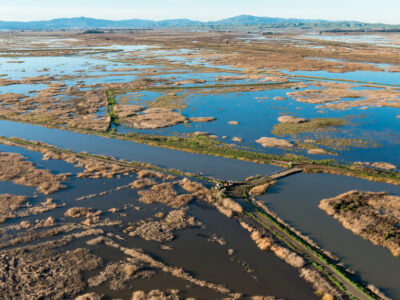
(386, 11)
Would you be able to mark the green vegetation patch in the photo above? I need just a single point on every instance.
(348, 205)
(312, 146)
(172, 101)
(342, 143)
(313, 125)
(111, 102)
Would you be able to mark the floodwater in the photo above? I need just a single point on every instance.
(379, 40)
(248, 271)
(295, 199)
(383, 77)
(257, 113)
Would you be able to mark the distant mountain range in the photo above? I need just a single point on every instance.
(83, 23)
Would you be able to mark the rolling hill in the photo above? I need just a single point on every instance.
(83, 23)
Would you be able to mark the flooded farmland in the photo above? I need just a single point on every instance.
(149, 164)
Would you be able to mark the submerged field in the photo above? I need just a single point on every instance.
(112, 145)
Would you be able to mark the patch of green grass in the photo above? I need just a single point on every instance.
(309, 146)
(41, 118)
(111, 102)
(313, 125)
(348, 205)
(171, 101)
(340, 143)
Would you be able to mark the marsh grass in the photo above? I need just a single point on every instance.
(341, 143)
(313, 125)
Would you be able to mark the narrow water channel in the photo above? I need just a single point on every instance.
(295, 199)
(219, 167)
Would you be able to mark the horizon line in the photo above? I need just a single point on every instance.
(194, 20)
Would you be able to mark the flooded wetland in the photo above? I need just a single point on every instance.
(221, 165)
